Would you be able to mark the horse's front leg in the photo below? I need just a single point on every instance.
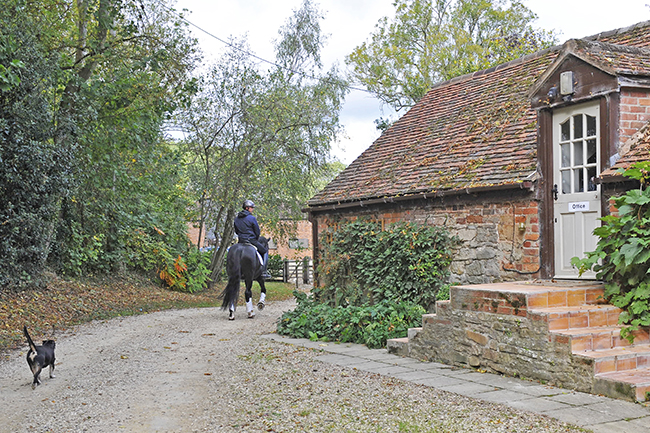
(262, 303)
(248, 296)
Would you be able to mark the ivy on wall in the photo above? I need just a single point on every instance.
(363, 263)
(622, 255)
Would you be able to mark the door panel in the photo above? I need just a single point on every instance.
(576, 164)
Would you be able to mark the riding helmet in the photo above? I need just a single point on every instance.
(248, 203)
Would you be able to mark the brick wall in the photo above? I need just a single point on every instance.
(634, 112)
(302, 231)
(500, 235)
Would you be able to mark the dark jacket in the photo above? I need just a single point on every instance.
(246, 227)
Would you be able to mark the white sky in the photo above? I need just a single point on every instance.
(348, 23)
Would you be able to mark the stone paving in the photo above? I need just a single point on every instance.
(596, 413)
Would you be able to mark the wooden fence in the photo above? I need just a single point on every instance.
(298, 271)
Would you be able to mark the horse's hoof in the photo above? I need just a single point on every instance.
(261, 305)
(231, 316)
(251, 315)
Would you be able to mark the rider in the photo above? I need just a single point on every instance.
(248, 231)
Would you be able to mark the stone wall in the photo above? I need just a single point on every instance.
(517, 345)
(499, 233)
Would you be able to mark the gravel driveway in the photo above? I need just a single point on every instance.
(193, 370)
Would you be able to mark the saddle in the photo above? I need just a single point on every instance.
(259, 256)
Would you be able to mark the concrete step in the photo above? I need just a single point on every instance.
(413, 332)
(398, 346)
(582, 316)
(628, 384)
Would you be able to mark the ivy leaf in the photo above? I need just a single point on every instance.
(631, 250)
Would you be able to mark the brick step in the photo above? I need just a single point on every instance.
(582, 316)
(618, 359)
(516, 298)
(598, 338)
(629, 384)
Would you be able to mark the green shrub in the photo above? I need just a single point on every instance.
(622, 255)
(275, 265)
(185, 276)
(371, 325)
(363, 264)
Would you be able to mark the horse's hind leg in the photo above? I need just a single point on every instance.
(262, 303)
(248, 296)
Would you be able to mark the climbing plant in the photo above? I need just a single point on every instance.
(362, 263)
(622, 255)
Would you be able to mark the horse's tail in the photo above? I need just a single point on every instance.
(230, 294)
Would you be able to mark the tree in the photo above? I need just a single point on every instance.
(263, 135)
(32, 170)
(429, 41)
(88, 181)
(126, 66)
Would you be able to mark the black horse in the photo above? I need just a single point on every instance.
(243, 262)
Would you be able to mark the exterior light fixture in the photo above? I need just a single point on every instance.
(566, 83)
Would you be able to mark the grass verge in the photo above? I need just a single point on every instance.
(69, 302)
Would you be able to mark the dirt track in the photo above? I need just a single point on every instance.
(156, 372)
(195, 371)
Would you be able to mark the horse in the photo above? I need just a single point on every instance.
(243, 262)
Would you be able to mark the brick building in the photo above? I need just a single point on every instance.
(518, 160)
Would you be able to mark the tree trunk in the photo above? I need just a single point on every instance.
(216, 265)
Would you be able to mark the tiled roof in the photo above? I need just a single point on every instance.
(619, 59)
(478, 130)
(636, 149)
(637, 35)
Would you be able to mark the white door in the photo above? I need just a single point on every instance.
(576, 163)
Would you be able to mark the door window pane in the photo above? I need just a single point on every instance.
(565, 131)
(591, 151)
(566, 182)
(591, 126)
(566, 155)
(578, 185)
(577, 153)
(591, 177)
(577, 126)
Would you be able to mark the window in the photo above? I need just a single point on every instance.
(578, 150)
(296, 244)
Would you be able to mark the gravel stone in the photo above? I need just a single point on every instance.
(195, 371)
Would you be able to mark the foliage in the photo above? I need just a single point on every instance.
(86, 174)
(262, 135)
(371, 325)
(33, 170)
(191, 276)
(434, 40)
(275, 266)
(361, 263)
(622, 255)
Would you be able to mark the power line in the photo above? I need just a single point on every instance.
(235, 47)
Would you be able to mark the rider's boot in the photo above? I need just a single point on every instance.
(262, 303)
(265, 273)
(249, 308)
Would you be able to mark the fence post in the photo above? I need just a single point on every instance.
(305, 270)
(285, 276)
